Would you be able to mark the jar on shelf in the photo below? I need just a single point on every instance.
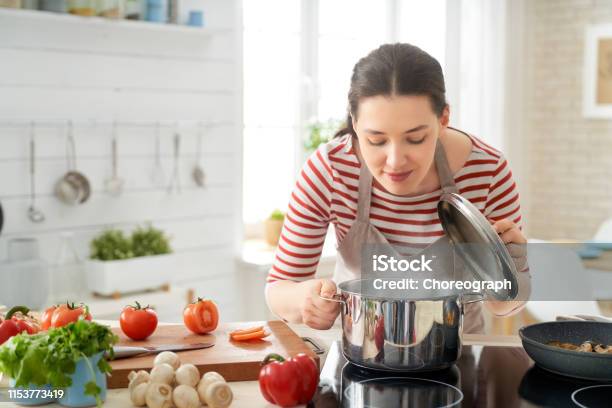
(16, 4)
(82, 7)
(110, 8)
(56, 6)
(157, 11)
(134, 9)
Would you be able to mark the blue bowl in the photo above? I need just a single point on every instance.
(74, 396)
(603, 245)
(29, 398)
(587, 252)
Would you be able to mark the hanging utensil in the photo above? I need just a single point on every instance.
(175, 183)
(1, 217)
(198, 172)
(114, 185)
(34, 214)
(73, 188)
(158, 176)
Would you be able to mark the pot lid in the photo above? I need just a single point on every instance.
(484, 253)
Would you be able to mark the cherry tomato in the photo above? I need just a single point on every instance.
(46, 317)
(68, 313)
(201, 316)
(138, 322)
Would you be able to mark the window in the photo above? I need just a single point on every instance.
(298, 59)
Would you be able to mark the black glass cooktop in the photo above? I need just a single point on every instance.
(483, 377)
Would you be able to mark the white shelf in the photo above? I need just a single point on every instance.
(109, 22)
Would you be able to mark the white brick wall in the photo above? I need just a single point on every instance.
(569, 174)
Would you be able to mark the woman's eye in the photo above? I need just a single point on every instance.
(376, 142)
(416, 142)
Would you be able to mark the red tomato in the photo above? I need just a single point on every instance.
(46, 317)
(201, 316)
(288, 382)
(68, 313)
(138, 322)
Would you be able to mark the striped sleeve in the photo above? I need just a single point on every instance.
(306, 222)
(503, 197)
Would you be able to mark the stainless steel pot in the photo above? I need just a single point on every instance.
(398, 334)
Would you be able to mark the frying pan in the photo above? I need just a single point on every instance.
(577, 364)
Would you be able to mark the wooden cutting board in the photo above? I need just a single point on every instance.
(236, 361)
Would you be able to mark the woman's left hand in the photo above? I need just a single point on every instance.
(509, 232)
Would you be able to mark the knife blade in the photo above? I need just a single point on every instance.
(131, 351)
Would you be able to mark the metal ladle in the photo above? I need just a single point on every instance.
(34, 214)
(198, 172)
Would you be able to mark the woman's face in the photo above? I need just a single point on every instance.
(397, 139)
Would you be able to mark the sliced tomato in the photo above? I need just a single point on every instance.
(201, 316)
(250, 336)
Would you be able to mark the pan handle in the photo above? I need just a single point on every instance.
(581, 317)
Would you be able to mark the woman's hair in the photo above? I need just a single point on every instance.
(395, 69)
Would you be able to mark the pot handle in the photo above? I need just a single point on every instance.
(336, 298)
(464, 298)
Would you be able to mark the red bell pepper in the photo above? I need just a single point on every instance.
(15, 322)
(288, 382)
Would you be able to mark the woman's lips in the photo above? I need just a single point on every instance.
(398, 177)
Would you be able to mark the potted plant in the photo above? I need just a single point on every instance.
(273, 227)
(320, 132)
(67, 364)
(120, 264)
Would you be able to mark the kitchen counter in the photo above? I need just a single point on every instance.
(247, 394)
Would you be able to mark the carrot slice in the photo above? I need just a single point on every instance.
(250, 336)
(246, 331)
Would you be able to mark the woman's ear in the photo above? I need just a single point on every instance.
(445, 118)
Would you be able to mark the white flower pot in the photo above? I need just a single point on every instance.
(129, 275)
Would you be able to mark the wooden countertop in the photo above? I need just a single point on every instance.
(247, 394)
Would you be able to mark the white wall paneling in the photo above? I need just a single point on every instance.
(55, 68)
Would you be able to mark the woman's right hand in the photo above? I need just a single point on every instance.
(316, 312)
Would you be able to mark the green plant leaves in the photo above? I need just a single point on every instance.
(112, 245)
(51, 357)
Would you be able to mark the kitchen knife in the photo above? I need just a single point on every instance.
(129, 351)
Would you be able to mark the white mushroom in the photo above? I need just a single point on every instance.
(218, 395)
(137, 378)
(206, 380)
(187, 374)
(163, 373)
(138, 394)
(158, 396)
(168, 357)
(185, 396)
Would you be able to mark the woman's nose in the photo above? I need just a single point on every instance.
(396, 158)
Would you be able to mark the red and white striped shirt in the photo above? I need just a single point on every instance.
(326, 193)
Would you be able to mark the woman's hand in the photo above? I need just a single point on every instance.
(316, 312)
(509, 232)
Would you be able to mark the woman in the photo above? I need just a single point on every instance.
(398, 143)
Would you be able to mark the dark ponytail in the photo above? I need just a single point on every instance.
(395, 69)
